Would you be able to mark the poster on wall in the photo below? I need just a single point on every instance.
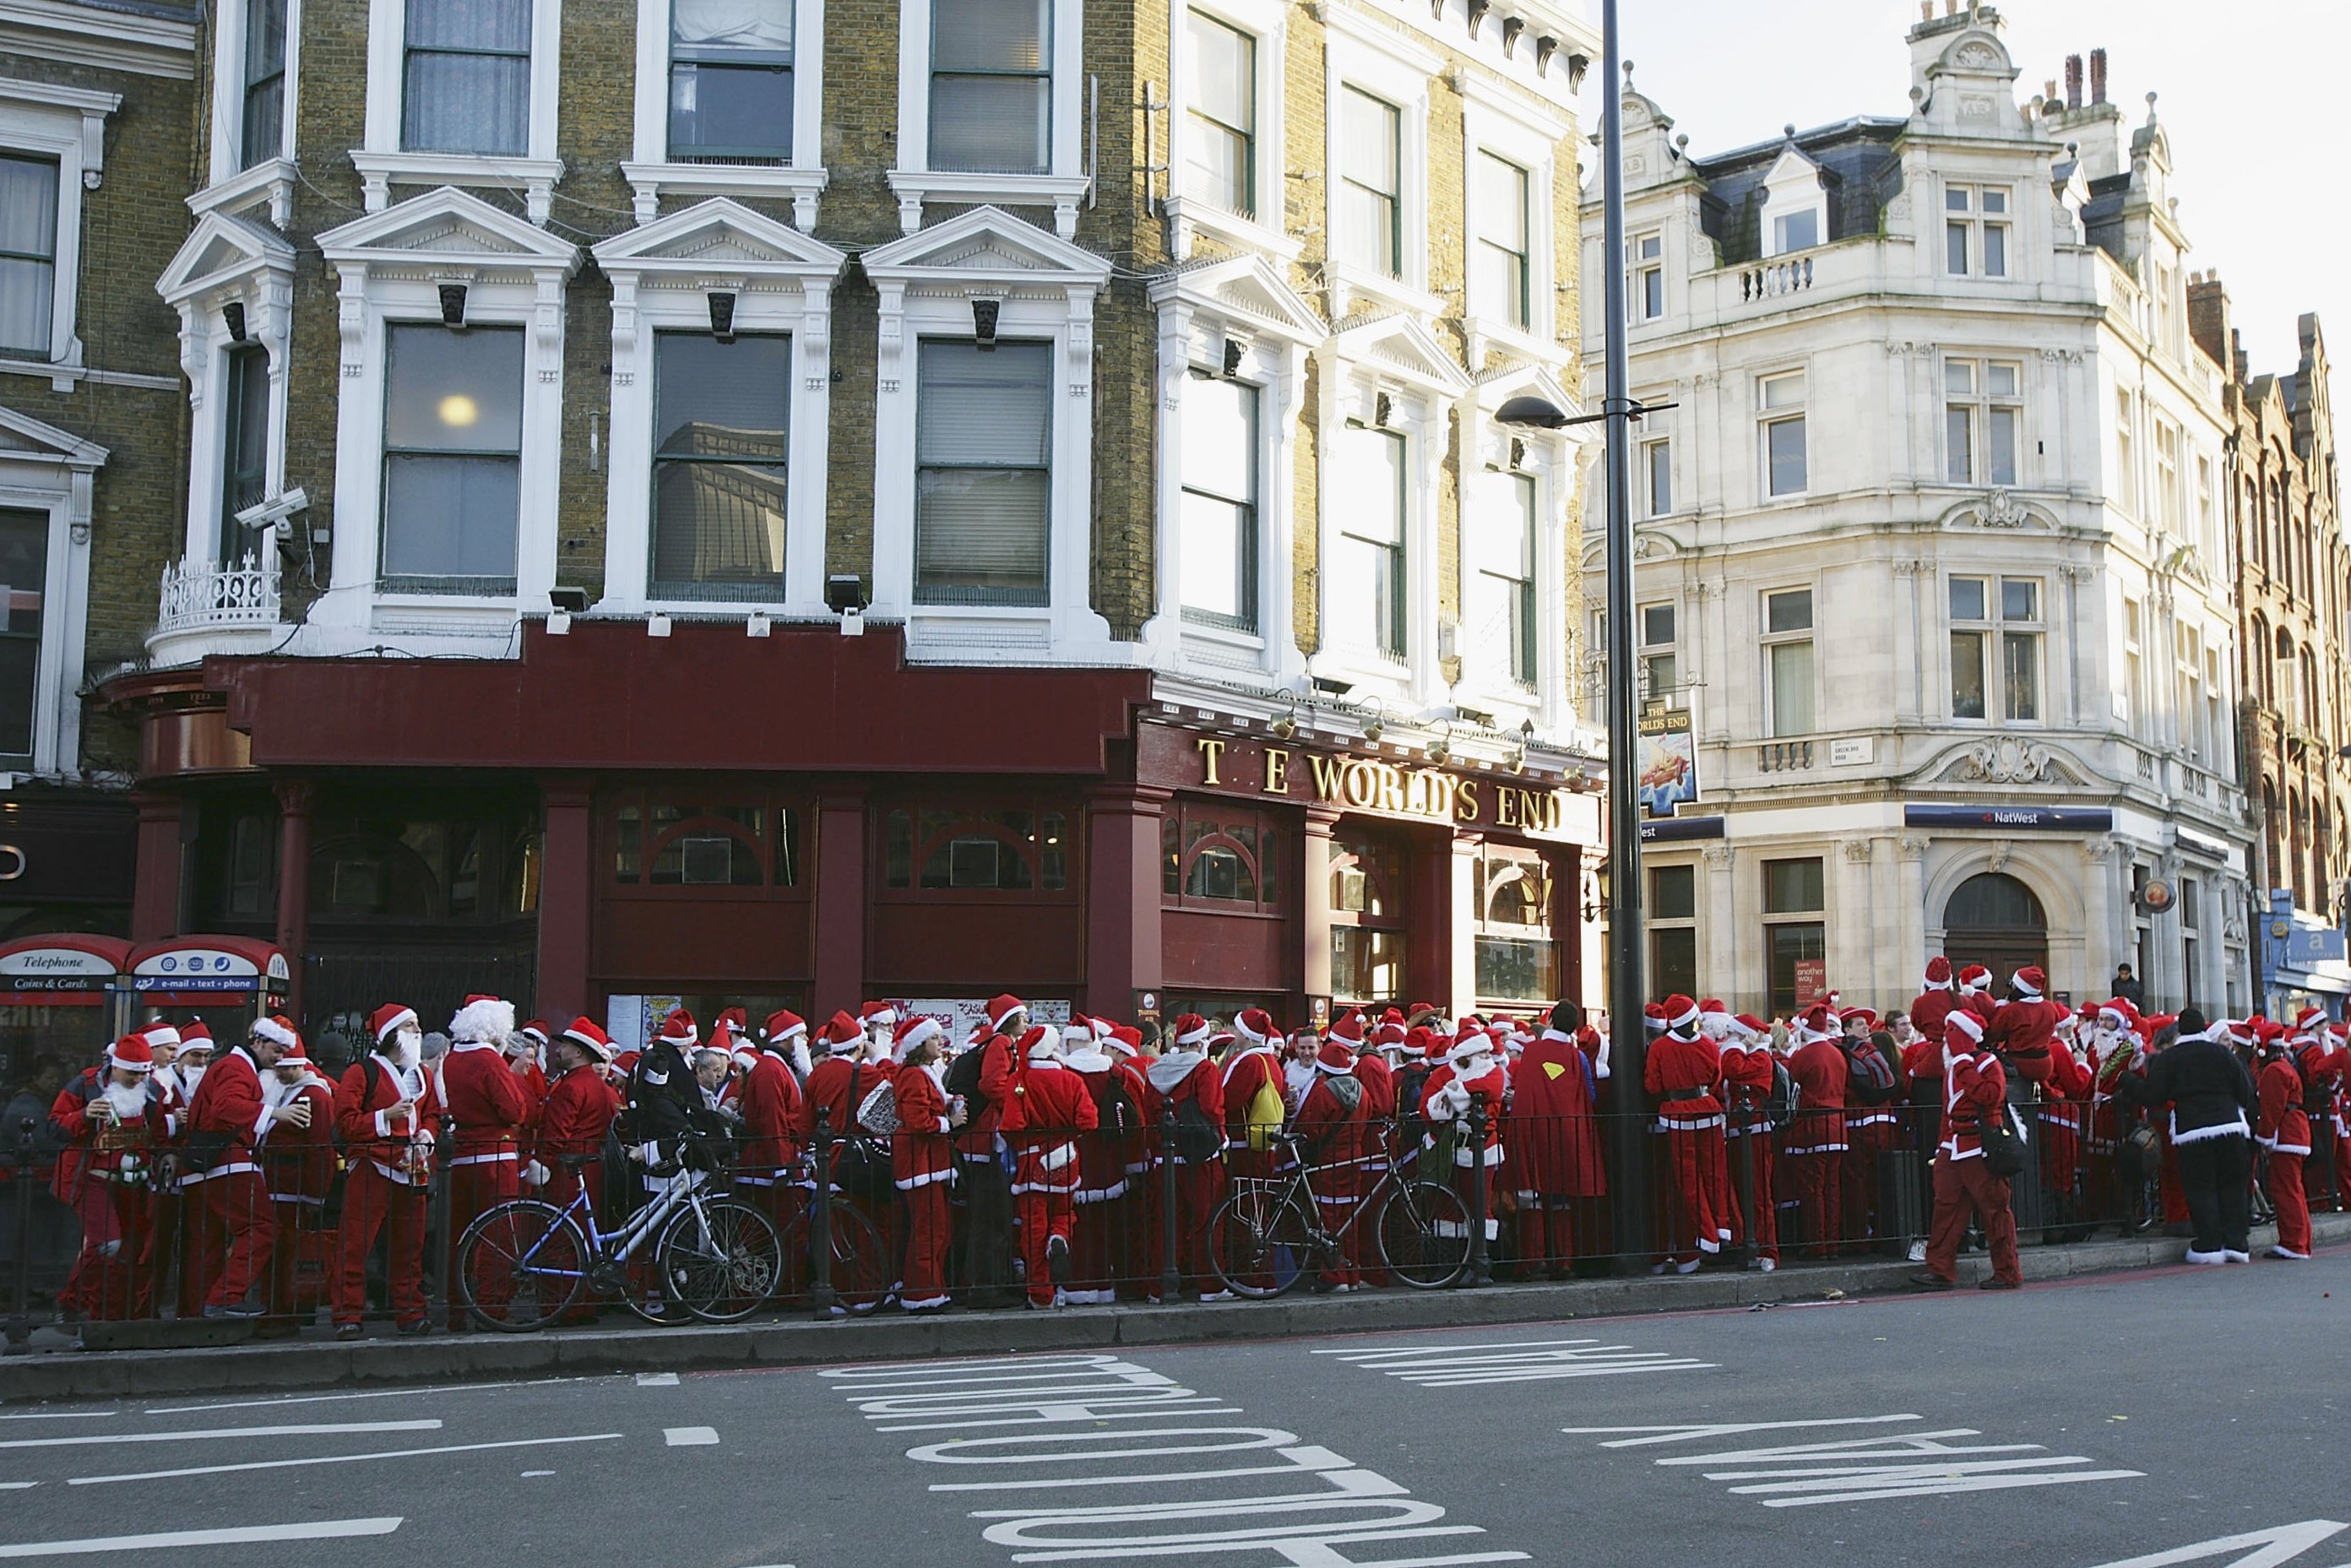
(630, 1021)
(1669, 760)
(964, 1017)
(1812, 981)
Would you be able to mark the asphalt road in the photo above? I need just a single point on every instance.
(2137, 1419)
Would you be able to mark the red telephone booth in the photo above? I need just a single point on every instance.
(58, 997)
(227, 981)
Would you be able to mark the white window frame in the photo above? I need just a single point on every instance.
(650, 174)
(662, 281)
(1766, 417)
(1515, 134)
(45, 469)
(1676, 694)
(1244, 301)
(1045, 289)
(1268, 22)
(69, 124)
(1978, 402)
(1065, 181)
(271, 179)
(1995, 628)
(1639, 268)
(2124, 491)
(514, 275)
(1768, 639)
(1652, 451)
(2131, 699)
(1366, 56)
(229, 259)
(382, 162)
(1506, 456)
(1790, 189)
(1975, 221)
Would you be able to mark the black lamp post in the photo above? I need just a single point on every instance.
(1628, 1140)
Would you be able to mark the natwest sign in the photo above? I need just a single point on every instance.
(1368, 785)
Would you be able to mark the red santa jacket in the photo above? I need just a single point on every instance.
(1489, 1089)
(226, 1117)
(2020, 1034)
(1747, 1083)
(979, 1138)
(300, 1161)
(1245, 1073)
(2284, 1129)
(769, 1100)
(1336, 1134)
(921, 1151)
(1927, 1016)
(1820, 1073)
(370, 1087)
(1049, 1105)
(840, 1084)
(1180, 1077)
(1684, 1075)
(96, 1147)
(486, 1101)
(1110, 1155)
(580, 1105)
(1975, 1086)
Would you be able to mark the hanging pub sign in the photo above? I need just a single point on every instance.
(1669, 760)
(1370, 785)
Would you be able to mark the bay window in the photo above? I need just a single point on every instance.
(453, 458)
(984, 472)
(721, 430)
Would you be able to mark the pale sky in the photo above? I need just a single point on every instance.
(2246, 89)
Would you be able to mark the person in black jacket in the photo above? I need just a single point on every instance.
(2213, 1107)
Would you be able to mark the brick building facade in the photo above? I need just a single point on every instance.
(558, 372)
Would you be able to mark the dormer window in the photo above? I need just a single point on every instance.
(1975, 231)
(1795, 231)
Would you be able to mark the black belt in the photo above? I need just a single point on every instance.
(1673, 1094)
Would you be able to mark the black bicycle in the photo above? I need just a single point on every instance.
(1268, 1233)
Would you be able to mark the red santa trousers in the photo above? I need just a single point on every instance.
(1819, 1190)
(1338, 1193)
(2284, 1187)
(1546, 1234)
(1043, 1216)
(1697, 1220)
(930, 1225)
(474, 1189)
(1097, 1242)
(302, 1237)
(233, 1236)
(373, 1203)
(1858, 1205)
(1198, 1189)
(114, 1277)
(1753, 1150)
(1963, 1188)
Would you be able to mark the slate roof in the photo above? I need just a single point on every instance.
(1858, 170)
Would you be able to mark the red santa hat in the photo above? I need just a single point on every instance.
(535, 1033)
(913, 1033)
(1191, 1031)
(132, 1054)
(1255, 1025)
(1124, 1040)
(1334, 1057)
(1963, 1028)
(1041, 1044)
(2029, 982)
(678, 1029)
(1755, 1027)
(839, 1029)
(1431, 1045)
(1468, 1046)
(1681, 1015)
(626, 1062)
(293, 1051)
(1817, 1023)
(877, 1014)
(278, 1030)
(1219, 1040)
(2244, 1031)
(584, 1033)
(1348, 1031)
(1001, 1009)
(1469, 1029)
(783, 1024)
(1974, 978)
(2309, 1020)
(194, 1037)
(388, 1018)
(1389, 1036)
(1939, 973)
(1863, 1015)
(1653, 1017)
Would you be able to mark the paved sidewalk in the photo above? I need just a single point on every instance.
(315, 1361)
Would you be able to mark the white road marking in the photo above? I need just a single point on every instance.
(61, 1415)
(322, 1429)
(533, 1475)
(338, 1460)
(657, 1380)
(2260, 1548)
(1524, 1361)
(16, 1486)
(323, 1398)
(690, 1436)
(323, 1530)
(1874, 1468)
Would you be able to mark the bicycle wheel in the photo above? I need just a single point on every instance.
(721, 1264)
(864, 1274)
(1261, 1242)
(1424, 1231)
(520, 1266)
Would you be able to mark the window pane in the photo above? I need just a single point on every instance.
(1792, 689)
(1657, 625)
(1960, 377)
(1995, 201)
(1673, 892)
(23, 582)
(1661, 478)
(244, 448)
(1218, 515)
(1224, 71)
(1958, 435)
(1659, 677)
(2001, 464)
(1797, 231)
(729, 111)
(2019, 599)
(1653, 293)
(1995, 244)
(491, 25)
(1789, 611)
(1673, 959)
(468, 86)
(450, 518)
(1786, 438)
(1364, 596)
(1967, 674)
(1220, 437)
(987, 406)
(1955, 249)
(989, 35)
(1498, 282)
(1967, 599)
(983, 436)
(2021, 674)
(721, 400)
(1218, 546)
(28, 230)
(1791, 945)
(265, 81)
(1792, 887)
(702, 27)
(993, 123)
(2000, 380)
(1368, 129)
(1784, 392)
(1502, 201)
(1958, 199)
(1219, 167)
(453, 392)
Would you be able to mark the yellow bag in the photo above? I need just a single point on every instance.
(1264, 1116)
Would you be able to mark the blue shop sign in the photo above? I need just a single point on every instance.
(2012, 819)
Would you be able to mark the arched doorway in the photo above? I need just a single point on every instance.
(1994, 920)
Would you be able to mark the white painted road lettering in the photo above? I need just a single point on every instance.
(1873, 1469)
(2255, 1549)
(690, 1436)
(1520, 1360)
(248, 1535)
(1280, 1499)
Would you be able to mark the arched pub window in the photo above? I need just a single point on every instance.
(1370, 900)
(705, 841)
(1221, 858)
(1024, 848)
(1518, 961)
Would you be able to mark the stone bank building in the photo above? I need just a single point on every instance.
(727, 500)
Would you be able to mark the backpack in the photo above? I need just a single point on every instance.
(1115, 1106)
(1780, 1110)
(1869, 1078)
(963, 1073)
(1263, 1115)
(1197, 1139)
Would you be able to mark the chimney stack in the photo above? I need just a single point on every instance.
(2208, 317)
(2072, 81)
(2097, 76)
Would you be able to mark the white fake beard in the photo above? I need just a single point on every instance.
(410, 1052)
(130, 1102)
(191, 1077)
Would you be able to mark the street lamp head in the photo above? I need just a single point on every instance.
(1538, 413)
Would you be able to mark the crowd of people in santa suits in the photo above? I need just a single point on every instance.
(1034, 1162)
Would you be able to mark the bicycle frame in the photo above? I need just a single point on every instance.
(609, 1247)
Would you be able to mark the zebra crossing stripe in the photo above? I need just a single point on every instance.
(1524, 1361)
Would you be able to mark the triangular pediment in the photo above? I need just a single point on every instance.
(222, 246)
(23, 437)
(1402, 346)
(1248, 288)
(447, 222)
(1793, 168)
(720, 233)
(986, 242)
